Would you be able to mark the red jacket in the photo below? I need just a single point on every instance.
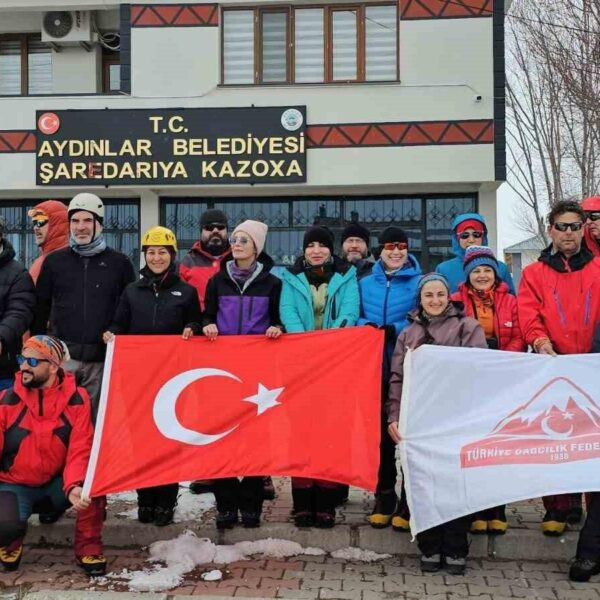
(198, 266)
(560, 299)
(45, 432)
(506, 319)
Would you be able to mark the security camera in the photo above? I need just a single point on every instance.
(478, 98)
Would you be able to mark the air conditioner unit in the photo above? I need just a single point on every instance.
(67, 27)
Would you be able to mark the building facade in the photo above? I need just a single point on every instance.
(396, 109)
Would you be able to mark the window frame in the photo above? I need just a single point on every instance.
(109, 59)
(328, 10)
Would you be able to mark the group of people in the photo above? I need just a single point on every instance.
(80, 293)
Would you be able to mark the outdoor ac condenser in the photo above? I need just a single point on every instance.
(67, 27)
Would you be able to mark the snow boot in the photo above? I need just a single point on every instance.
(10, 556)
(554, 523)
(383, 511)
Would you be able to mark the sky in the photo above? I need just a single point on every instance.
(507, 204)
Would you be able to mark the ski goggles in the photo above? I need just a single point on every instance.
(30, 360)
(572, 226)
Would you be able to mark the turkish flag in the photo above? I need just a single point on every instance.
(306, 405)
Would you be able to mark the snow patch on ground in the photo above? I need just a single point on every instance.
(188, 551)
(353, 553)
(213, 575)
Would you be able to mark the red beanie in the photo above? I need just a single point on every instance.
(470, 224)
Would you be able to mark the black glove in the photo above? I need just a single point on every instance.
(390, 333)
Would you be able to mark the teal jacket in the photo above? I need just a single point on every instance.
(296, 305)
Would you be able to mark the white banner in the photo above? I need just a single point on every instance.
(482, 428)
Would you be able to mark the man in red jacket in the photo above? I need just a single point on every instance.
(559, 306)
(591, 207)
(45, 441)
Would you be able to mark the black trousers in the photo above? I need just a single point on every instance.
(163, 496)
(245, 495)
(448, 539)
(387, 475)
(588, 545)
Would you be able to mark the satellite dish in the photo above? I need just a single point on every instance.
(57, 23)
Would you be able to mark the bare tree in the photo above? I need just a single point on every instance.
(553, 104)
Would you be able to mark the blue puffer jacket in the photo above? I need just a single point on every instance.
(452, 269)
(387, 301)
(296, 306)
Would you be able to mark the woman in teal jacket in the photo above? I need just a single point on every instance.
(319, 292)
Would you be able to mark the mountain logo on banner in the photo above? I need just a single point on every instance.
(561, 423)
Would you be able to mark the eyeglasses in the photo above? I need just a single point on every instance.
(213, 226)
(39, 223)
(30, 360)
(572, 226)
(465, 235)
(593, 216)
(391, 246)
(241, 240)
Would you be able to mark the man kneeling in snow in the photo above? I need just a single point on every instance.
(45, 441)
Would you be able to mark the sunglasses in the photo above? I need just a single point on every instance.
(39, 223)
(465, 235)
(241, 240)
(390, 246)
(213, 226)
(593, 216)
(30, 360)
(572, 226)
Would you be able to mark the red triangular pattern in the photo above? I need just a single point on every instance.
(168, 13)
(376, 138)
(474, 128)
(453, 9)
(439, 9)
(415, 136)
(315, 134)
(416, 10)
(187, 17)
(150, 18)
(434, 130)
(203, 12)
(394, 130)
(455, 136)
(336, 138)
(4, 147)
(14, 138)
(28, 144)
(355, 132)
(136, 12)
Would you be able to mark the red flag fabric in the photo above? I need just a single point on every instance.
(306, 405)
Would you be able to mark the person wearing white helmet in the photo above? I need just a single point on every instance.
(78, 290)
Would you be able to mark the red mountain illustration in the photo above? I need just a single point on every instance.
(559, 410)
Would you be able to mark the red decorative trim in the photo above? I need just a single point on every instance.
(445, 9)
(175, 15)
(17, 141)
(424, 133)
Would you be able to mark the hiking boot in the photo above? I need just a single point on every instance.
(324, 520)
(574, 515)
(201, 486)
(383, 511)
(304, 519)
(163, 516)
(227, 519)
(250, 519)
(51, 516)
(10, 556)
(268, 488)
(401, 518)
(431, 563)
(583, 568)
(145, 514)
(456, 565)
(498, 524)
(93, 564)
(479, 526)
(554, 523)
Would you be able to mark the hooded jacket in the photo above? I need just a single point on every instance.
(198, 266)
(243, 309)
(45, 432)
(341, 307)
(157, 306)
(559, 299)
(451, 328)
(591, 242)
(17, 304)
(58, 233)
(452, 269)
(506, 316)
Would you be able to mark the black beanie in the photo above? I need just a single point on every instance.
(213, 215)
(356, 230)
(316, 233)
(392, 234)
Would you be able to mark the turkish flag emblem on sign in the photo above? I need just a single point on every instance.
(172, 410)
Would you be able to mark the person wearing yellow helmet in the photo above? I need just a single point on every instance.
(159, 303)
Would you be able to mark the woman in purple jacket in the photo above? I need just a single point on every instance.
(242, 299)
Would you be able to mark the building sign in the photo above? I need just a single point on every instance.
(189, 146)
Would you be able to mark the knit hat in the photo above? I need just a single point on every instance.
(356, 230)
(256, 230)
(428, 277)
(50, 347)
(320, 234)
(476, 256)
(213, 215)
(470, 224)
(392, 234)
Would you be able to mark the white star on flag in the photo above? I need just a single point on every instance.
(264, 398)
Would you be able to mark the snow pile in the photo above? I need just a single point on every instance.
(187, 551)
(213, 575)
(353, 553)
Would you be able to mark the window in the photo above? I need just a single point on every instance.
(25, 65)
(111, 72)
(310, 45)
(426, 219)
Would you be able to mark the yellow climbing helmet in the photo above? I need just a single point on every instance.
(159, 236)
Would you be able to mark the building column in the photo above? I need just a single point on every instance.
(149, 212)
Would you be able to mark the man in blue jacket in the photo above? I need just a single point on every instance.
(468, 229)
